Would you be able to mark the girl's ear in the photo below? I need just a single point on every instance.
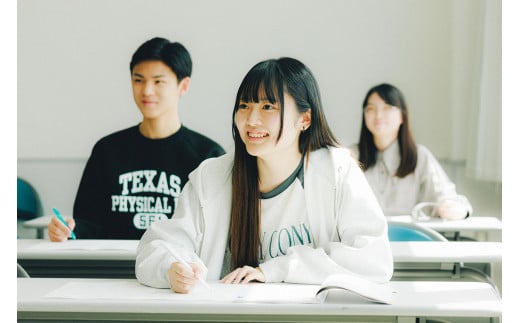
(184, 86)
(306, 119)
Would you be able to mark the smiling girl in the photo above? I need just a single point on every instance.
(288, 205)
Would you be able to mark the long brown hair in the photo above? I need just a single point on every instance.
(269, 79)
(407, 147)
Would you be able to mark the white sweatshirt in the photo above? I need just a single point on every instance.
(348, 226)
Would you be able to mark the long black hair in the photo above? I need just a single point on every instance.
(407, 147)
(269, 79)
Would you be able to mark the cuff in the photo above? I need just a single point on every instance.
(275, 270)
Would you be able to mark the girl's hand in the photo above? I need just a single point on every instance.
(244, 275)
(184, 278)
(59, 232)
(450, 209)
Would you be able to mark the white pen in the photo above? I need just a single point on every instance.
(184, 263)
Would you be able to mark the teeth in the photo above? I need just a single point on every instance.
(257, 135)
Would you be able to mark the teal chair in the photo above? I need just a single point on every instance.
(29, 206)
(405, 231)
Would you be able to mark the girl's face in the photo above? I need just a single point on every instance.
(259, 126)
(382, 119)
(156, 89)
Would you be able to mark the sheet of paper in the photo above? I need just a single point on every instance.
(85, 244)
(132, 290)
(278, 293)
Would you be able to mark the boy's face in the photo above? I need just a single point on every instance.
(156, 89)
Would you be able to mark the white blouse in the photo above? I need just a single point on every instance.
(398, 196)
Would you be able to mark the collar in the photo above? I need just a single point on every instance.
(297, 173)
(390, 157)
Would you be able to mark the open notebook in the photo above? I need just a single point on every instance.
(352, 289)
(374, 292)
(337, 288)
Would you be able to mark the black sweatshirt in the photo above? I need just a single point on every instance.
(130, 181)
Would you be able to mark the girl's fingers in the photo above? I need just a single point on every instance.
(243, 275)
(182, 278)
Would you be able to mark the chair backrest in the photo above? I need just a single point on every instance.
(21, 272)
(28, 201)
(405, 231)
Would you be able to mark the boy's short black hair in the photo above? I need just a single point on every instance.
(175, 55)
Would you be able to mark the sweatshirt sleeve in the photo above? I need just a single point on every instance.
(363, 248)
(90, 202)
(436, 186)
(165, 241)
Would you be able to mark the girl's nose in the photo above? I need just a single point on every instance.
(253, 116)
(379, 112)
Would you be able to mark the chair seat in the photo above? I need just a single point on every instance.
(404, 231)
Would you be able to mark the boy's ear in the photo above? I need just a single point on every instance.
(184, 85)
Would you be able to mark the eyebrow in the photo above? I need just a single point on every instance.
(384, 103)
(155, 76)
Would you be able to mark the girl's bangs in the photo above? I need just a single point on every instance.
(260, 85)
(390, 96)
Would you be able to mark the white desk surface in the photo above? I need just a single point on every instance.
(450, 251)
(473, 223)
(81, 249)
(406, 251)
(422, 298)
(39, 222)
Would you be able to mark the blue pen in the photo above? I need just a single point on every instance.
(62, 220)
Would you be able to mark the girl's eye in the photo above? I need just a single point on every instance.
(137, 80)
(242, 106)
(268, 107)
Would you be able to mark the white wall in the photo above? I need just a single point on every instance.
(74, 84)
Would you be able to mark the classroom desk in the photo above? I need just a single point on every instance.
(447, 252)
(484, 226)
(39, 224)
(116, 258)
(129, 304)
(481, 225)
(78, 258)
(452, 260)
